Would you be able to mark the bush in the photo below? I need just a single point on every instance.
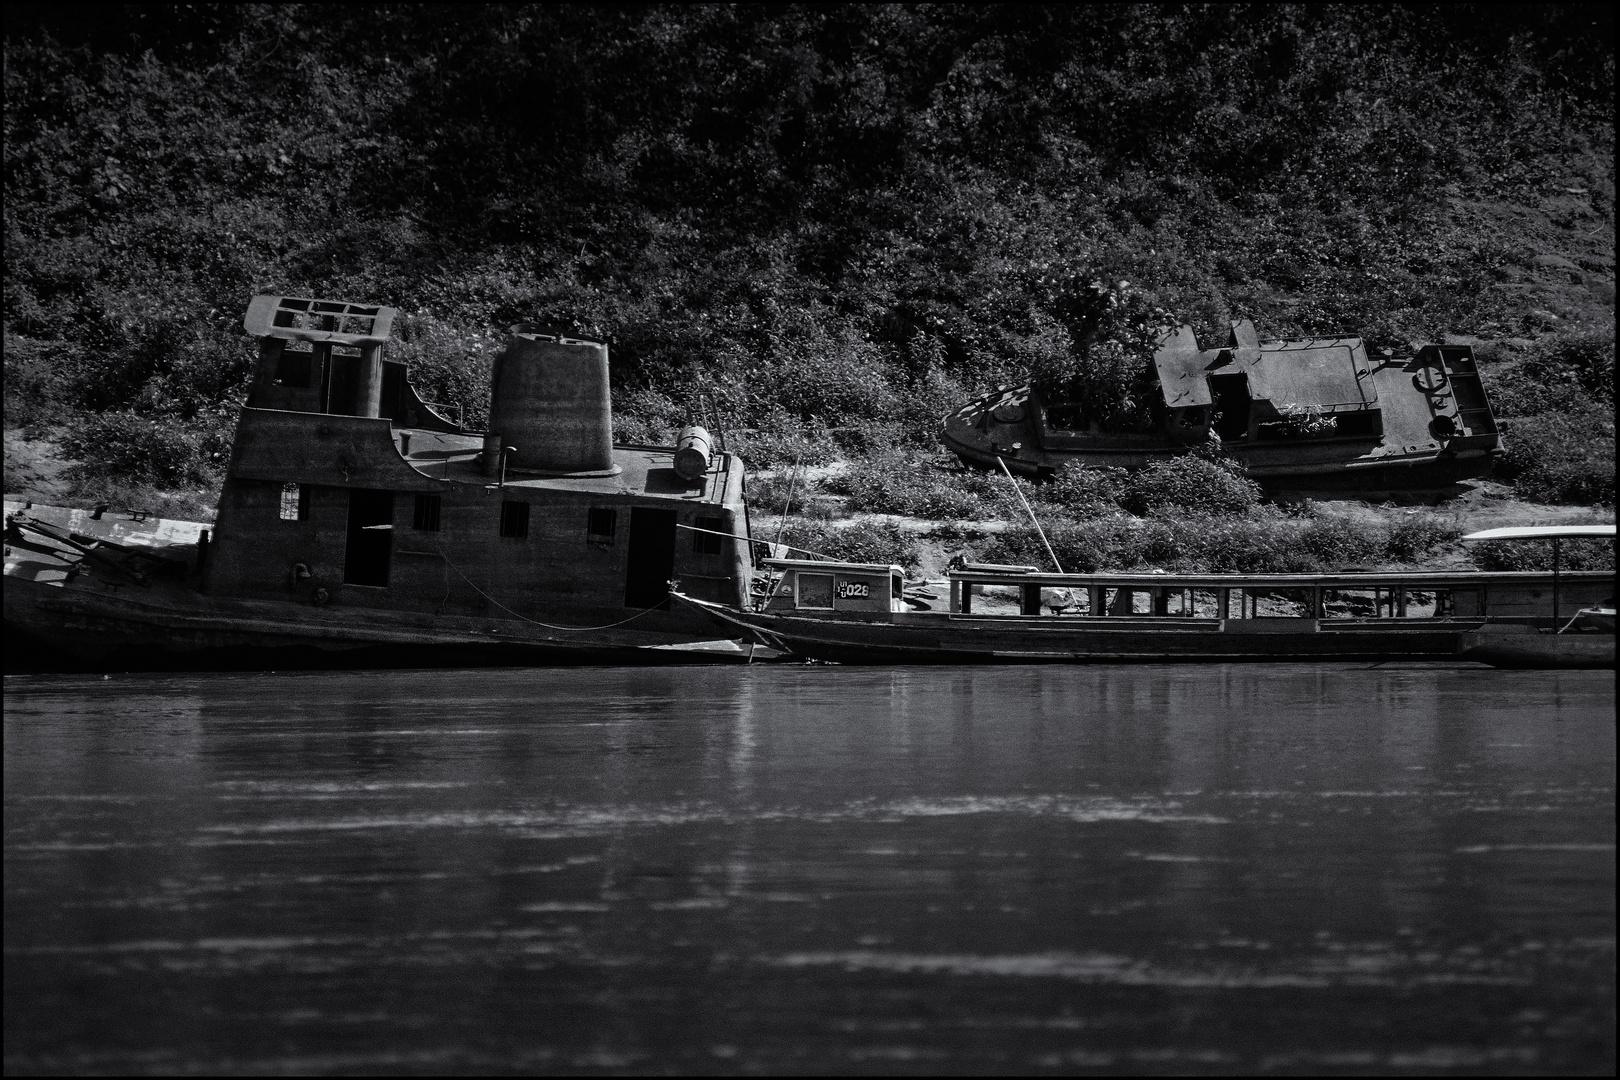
(767, 494)
(646, 417)
(893, 482)
(1333, 541)
(781, 440)
(1194, 545)
(1416, 536)
(1537, 555)
(1562, 457)
(861, 541)
(1192, 484)
(151, 450)
(1217, 543)
(1078, 490)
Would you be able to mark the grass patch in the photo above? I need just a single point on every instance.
(860, 541)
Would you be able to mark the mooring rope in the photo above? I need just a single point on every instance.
(549, 626)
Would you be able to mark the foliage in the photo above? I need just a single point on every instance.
(152, 450)
(1112, 329)
(859, 541)
(1190, 483)
(895, 482)
(780, 493)
(1537, 555)
(1564, 456)
(1214, 543)
(1413, 537)
(816, 218)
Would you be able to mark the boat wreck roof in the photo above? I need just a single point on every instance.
(1312, 371)
(1546, 532)
(303, 318)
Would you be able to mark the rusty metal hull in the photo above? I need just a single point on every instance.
(1429, 472)
(174, 627)
(67, 613)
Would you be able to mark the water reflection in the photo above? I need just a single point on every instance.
(1215, 869)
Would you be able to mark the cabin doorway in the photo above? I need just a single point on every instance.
(370, 543)
(651, 558)
(1231, 399)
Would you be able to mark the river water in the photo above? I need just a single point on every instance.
(812, 869)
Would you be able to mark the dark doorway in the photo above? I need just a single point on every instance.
(342, 381)
(393, 393)
(371, 537)
(651, 558)
(1231, 394)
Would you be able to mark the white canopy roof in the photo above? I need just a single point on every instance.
(1546, 532)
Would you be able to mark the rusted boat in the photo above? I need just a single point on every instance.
(856, 613)
(359, 524)
(1316, 414)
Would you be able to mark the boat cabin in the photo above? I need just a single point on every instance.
(821, 587)
(346, 489)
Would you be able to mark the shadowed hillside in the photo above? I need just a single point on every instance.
(834, 221)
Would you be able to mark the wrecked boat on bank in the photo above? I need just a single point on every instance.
(1315, 414)
(358, 524)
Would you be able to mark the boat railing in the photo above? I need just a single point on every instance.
(1474, 595)
(443, 409)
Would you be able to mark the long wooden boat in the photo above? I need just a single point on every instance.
(858, 613)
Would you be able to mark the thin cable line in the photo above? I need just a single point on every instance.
(509, 611)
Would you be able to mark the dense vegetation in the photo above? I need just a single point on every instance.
(833, 222)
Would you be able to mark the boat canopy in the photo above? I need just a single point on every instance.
(1546, 532)
(824, 565)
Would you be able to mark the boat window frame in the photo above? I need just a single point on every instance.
(425, 515)
(299, 504)
(601, 525)
(798, 591)
(704, 538)
(514, 524)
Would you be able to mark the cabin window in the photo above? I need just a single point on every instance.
(815, 590)
(294, 502)
(515, 520)
(706, 542)
(426, 516)
(295, 368)
(600, 525)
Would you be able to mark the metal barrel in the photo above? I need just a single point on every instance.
(692, 450)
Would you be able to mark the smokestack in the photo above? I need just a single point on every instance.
(549, 399)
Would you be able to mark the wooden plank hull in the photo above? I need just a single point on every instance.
(930, 638)
(1570, 651)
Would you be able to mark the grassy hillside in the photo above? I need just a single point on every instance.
(834, 221)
